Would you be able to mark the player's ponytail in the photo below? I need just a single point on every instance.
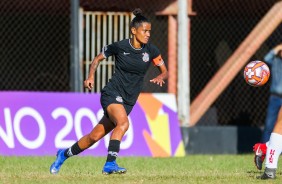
(138, 19)
(137, 12)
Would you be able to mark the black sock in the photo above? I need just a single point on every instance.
(74, 150)
(113, 150)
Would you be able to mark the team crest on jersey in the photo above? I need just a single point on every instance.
(119, 99)
(145, 57)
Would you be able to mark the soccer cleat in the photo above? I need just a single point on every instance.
(268, 174)
(55, 167)
(113, 168)
(260, 153)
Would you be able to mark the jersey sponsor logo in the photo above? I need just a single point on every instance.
(126, 53)
(145, 57)
(119, 99)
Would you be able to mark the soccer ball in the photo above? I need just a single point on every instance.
(256, 73)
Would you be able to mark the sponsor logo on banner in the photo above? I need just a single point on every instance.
(57, 120)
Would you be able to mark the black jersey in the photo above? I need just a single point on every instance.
(131, 66)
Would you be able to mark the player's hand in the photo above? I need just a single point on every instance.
(158, 80)
(89, 83)
(278, 48)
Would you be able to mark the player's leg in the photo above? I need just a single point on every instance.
(274, 150)
(100, 130)
(273, 108)
(278, 126)
(117, 114)
(259, 149)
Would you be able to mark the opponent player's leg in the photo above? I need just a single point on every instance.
(274, 150)
(259, 149)
(273, 108)
(117, 114)
(100, 130)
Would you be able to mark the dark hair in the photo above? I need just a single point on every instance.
(138, 19)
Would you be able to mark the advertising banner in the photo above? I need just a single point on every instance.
(40, 123)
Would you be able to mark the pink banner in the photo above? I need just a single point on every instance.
(37, 123)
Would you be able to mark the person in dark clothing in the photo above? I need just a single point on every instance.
(132, 59)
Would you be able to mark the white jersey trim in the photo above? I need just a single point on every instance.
(134, 47)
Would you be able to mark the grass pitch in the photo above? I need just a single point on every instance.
(211, 169)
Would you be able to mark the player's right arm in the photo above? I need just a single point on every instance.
(89, 82)
(107, 50)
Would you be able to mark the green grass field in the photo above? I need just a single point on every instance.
(208, 169)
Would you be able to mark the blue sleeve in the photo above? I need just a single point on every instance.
(269, 57)
(109, 50)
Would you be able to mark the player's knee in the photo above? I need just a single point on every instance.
(123, 126)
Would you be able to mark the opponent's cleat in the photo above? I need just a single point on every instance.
(260, 153)
(113, 168)
(55, 167)
(268, 174)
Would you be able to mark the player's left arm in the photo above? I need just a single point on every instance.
(159, 80)
(277, 49)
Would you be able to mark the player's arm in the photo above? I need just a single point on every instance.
(272, 53)
(277, 49)
(89, 82)
(159, 80)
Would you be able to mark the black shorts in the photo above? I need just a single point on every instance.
(112, 97)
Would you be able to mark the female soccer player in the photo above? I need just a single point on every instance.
(133, 57)
(272, 149)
